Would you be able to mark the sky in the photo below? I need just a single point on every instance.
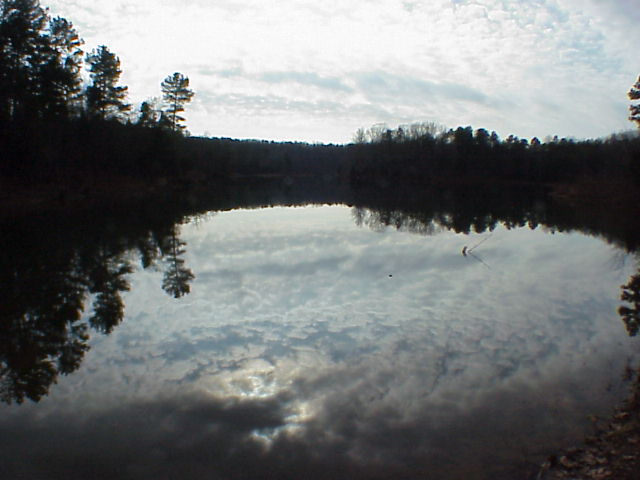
(314, 71)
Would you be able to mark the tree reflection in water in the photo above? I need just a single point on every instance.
(631, 315)
(176, 276)
(51, 267)
(49, 273)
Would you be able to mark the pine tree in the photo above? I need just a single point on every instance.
(60, 84)
(176, 94)
(634, 108)
(149, 115)
(21, 25)
(104, 98)
(40, 62)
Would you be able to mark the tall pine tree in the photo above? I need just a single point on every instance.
(40, 62)
(21, 25)
(105, 99)
(61, 74)
(176, 94)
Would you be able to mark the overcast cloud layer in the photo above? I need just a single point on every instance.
(316, 71)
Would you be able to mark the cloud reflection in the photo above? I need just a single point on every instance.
(345, 429)
(296, 355)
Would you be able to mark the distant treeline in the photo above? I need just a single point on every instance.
(76, 148)
(426, 152)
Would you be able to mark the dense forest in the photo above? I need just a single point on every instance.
(74, 134)
(55, 126)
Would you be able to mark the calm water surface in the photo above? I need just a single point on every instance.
(316, 344)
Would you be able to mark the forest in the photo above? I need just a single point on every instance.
(76, 138)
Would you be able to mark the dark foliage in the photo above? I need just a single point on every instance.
(631, 295)
(53, 131)
(463, 155)
(52, 267)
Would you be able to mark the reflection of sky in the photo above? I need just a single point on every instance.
(312, 335)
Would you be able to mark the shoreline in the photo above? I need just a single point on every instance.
(613, 452)
(612, 194)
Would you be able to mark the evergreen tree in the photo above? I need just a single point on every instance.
(176, 94)
(21, 25)
(176, 277)
(634, 108)
(40, 62)
(62, 84)
(149, 116)
(165, 122)
(56, 80)
(105, 99)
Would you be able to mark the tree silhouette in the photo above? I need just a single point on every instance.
(41, 332)
(631, 294)
(634, 108)
(40, 63)
(176, 94)
(62, 84)
(149, 116)
(107, 280)
(21, 24)
(104, 98)
(176, 276)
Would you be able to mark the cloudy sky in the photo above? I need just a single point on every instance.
(316, 71)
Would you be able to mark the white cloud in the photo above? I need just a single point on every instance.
(539, 67)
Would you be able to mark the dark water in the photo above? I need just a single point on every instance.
(317, 341)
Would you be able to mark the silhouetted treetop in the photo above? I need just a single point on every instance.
(149, 115)
(40, 63)
(176, 94)
(105, 99)
(634, 108)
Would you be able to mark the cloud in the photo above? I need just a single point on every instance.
(244, 106)
(379, 85)
(280, 77)
(466, 62)
(359, 429)
(305, 78)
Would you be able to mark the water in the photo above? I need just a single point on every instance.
(314, 342)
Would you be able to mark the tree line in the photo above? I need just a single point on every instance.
(55, 125)
(428, 152)
(40, 74)
(57, 128)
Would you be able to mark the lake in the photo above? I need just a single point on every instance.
(333, 340)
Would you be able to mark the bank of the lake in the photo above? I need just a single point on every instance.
(612, 452)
